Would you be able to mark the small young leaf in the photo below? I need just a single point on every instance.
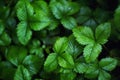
(51, 62)
(24, 33)
(84, 35)
(33, 63)
(69, 22)
(103, 75)
(16, 55)
(4, 39)
(22, 73)
(65, 60)
(61, 45)
(108, 64)
(81, 67)
(91, 52)
(102, 32)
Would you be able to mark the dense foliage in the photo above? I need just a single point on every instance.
(59, 39)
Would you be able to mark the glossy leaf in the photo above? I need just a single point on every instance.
(66, 61)
(61, 45)
(22, 73)
(80, 67)
(51, 62)
(91, 52)
(84, 35)
(103, 75)
(65, 76)
(102, 33)
(69, 22)
(108, 63)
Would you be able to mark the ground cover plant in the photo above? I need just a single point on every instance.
(59, 39)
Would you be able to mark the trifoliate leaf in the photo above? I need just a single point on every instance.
(91, 52)
(103, 75)
(16, 54)
(33, 63)
(4, 39)
(22, 73)
(102, 33)
(108, 63)
(80, 67)
(24, 10)
(23, 32)
(61, 45)
(84, 35)
(65, 60)
(69, 22)
(51, 62)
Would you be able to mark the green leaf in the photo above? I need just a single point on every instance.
(69, 22)
(108, 63)
(73, 47)
(1, 27)
(33, 63)
(4, 39)
(24, 10)
(61, 45)
(23, 32)
(65, 76)
(16, 54)
(65, 60)
(80, 67)
(91, 52)
(51, 62)
(92, 71)
(84, 35)
(22, 73)
(63, 8)
(38, 21)
(102, 32)
(103, 75)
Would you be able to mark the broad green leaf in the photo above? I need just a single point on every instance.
(91, 52)
(103, 75)
(65, 60)
(80, 67)
(63, 8)
(92, 71)
(69, 22)
(73, 47)
(65, 76)
(23, 32)
(4, 39)
(102, 33)
(16, 54)
(84, 35)
(33, 63)
(51, 62)
(1, 27)
(117, 17)
(22, 73)
(38, 21)
(61, 45)
(24, 10)
(108, 63)
(7, 70)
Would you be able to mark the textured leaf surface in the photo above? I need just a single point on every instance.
(104, 75)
